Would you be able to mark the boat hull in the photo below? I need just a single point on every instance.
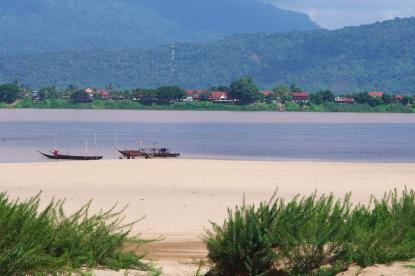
(70, 157)
(132, 154)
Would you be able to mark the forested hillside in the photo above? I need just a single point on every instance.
(33, 26)
(379, 56)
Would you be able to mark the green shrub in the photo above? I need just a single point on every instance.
(312, 232)
(385, 231)
(293, 107)
(243, 246)
(314, 235)
(48, 241)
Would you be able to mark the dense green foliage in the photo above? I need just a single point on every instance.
(44, 241)
(30, 26)
(161, 95)
(9, 93)
(244, 90)
(80, 96)
(373, 57)
(313, 235)
(243, 246)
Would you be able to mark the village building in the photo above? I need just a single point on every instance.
(301, 97)
(103, 94)
(376, 94)
(36, 96)
(398, 98)
(89, 91)
(194, 95)
(344, 100)
(265, 93)
(220, 97)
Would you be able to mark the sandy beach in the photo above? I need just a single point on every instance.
(179, 197)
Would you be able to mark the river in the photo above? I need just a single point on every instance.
(347, 137)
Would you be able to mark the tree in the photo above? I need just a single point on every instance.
(9, 93)
(167, 94)
(49, 92)
(80, 96)
(282, 93)
(145, 96)
(245, 90)
(387, 99)
(375, 101)
(322, 97)
(221, 88)
(295, 88)
(270, 98)
(407, 100)
(361, 98)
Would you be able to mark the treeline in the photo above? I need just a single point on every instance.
(242, 94)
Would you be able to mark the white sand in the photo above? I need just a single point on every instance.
(179, 197)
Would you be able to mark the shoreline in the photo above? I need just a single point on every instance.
(179, 197)
(224, 158)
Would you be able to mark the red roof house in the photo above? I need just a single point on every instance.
(398, 98)
(103, 94)
(194, 94)
(376, 94)
(301, 97)
(344, 100)
(265, 93)
(218, 96)
(89, 91)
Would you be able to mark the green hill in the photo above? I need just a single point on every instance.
(378, 56)
(33, 26)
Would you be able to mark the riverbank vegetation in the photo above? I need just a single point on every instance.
(36, 241)
(315, 235)
(240, 95)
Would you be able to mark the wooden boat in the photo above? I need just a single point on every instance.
(148, 153)
(57, 156)
(132, 154)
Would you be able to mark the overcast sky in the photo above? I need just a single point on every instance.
(333, 14)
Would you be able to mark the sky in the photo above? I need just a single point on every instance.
(334, 14)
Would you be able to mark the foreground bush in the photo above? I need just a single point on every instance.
(313, 235)
(34, 241)
(385, 231)
(312, 232)
(243, 246)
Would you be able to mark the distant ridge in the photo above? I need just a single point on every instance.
(380, 56)
(33, 26)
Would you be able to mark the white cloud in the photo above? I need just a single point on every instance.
(333, 14)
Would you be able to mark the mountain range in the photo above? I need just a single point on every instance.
(34, 26)
(379, 56)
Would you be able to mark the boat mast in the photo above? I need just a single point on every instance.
(95, 138)
(86, 148)
(56, 139)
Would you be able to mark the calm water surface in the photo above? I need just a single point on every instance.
(251, 136)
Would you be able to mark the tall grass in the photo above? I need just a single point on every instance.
(313, 235)
(46, 241)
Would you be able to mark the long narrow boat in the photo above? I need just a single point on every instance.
(57, 156)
